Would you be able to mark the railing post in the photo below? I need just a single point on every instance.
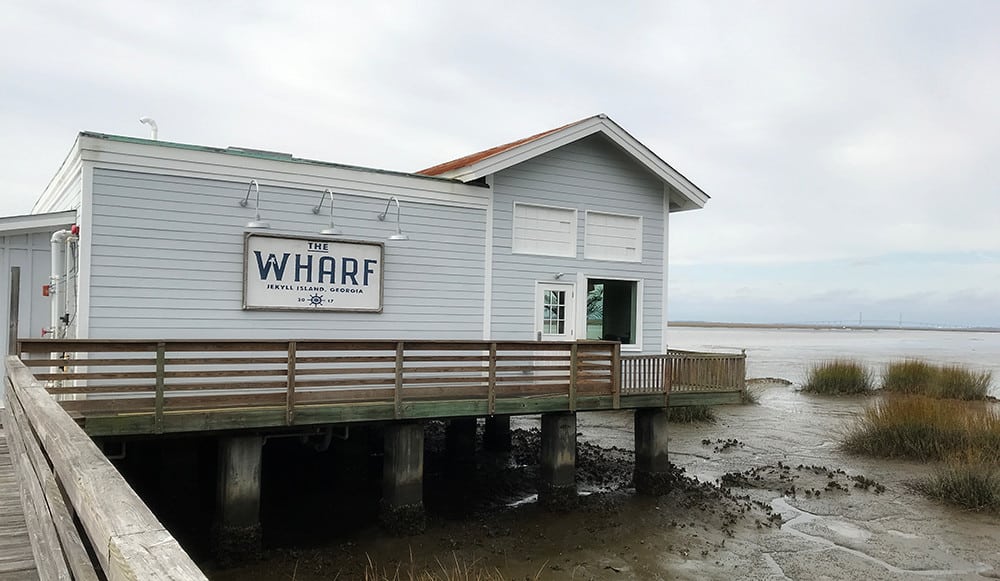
(161, 362)
(742, 371)
(616, 376)
(573, 363)
(491, 385)
(398, 394)
(668, 371)
(290, 397)
(12, 313)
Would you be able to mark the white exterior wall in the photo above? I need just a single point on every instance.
(30, 252)
(589, 174)
(166, 261)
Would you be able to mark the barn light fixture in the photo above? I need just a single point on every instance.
(399, 232)
(332, 230)
(256, 222)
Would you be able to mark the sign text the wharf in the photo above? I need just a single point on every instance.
(314, 274)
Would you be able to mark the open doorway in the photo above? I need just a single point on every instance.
(612, 310)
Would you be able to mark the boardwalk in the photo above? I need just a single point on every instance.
(16, 561)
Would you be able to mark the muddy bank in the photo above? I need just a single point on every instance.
(486, 512)
(773, 499)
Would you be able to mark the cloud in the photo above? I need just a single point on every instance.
(824, 132)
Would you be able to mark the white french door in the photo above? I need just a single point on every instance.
(555, 311)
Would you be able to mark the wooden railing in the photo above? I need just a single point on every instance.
(173, 377)
(683, 371)
(62, 473)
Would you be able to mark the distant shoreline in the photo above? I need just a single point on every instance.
(821, 327)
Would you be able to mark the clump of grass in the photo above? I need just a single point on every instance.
(957, 382)
(923, 428)
(965, 435)
(453, 570)
(968, 481)
(908, 376)
(690, 413)
(914, 376)
(839, 377)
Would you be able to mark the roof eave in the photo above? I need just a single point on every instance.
(13, 225)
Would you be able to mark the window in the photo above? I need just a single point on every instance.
(544, 230)
(612, 308)
(613, 237)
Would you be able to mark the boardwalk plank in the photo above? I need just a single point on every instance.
(17, 563)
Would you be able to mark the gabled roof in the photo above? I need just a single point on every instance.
(685, 194)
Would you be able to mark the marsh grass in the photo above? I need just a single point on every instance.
(967, 481)
(963, 435)
(923, 428)
(454, 569)
(909, 376)
(957, 382)
(690, 414)
(839, 377)
(914, 376)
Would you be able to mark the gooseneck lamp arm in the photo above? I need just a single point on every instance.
(332, 230)
(399, 232)
(254, 187)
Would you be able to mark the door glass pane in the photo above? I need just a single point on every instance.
(554, 312)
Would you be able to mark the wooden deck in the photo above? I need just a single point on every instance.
(58, 491)
(67, 514)
(127, 387)
(17, 563)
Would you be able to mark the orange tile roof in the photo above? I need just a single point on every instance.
(481, 155)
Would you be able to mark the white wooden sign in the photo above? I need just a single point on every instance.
(311, 274)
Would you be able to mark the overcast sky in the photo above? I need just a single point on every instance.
(851, 149)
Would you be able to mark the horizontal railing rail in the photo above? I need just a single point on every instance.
(102, 377)
(62, 473)
(683, 371)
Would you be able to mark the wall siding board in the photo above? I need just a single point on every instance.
(187, 272)
(590, 174)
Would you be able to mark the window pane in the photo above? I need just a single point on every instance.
(554, 312)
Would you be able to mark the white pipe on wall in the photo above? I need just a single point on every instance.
(58, 270)
(69, 283)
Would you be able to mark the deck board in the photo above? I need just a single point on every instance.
(17, 563)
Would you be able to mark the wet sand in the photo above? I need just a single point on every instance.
(772, 458)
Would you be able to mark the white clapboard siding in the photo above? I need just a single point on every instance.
(588, 175)
(167, 261)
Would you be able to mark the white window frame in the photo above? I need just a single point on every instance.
(574, 227)
(582, 306)
(586, 240)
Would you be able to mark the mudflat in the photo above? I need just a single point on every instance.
(765, 493)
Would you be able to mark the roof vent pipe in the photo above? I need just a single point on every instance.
(153, 129)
